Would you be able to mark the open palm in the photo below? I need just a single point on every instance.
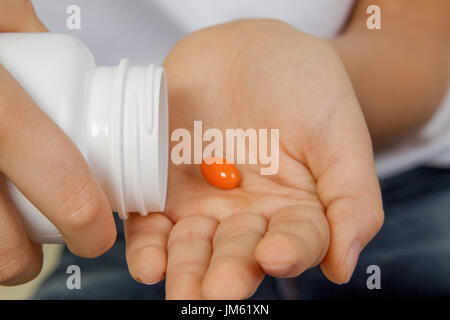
(322, 206)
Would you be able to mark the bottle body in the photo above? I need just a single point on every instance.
(116, 116)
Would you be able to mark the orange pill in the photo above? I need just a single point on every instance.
(219, 173)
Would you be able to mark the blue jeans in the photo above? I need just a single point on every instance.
(412, 251)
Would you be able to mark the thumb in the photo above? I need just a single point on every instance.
(347, 184)
(19, 16)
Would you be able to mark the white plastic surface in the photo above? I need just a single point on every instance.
(117, 117)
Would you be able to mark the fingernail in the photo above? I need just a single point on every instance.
(352, 258)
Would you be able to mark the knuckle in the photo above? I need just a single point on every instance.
(192, 229)
(368, 222)
(240, 225)
(246, 218)
(190, 224)
(341, 217)
(83, 203)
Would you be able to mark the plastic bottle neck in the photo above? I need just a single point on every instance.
(127, 136)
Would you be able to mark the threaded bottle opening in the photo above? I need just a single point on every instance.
(130, 157)
(144, 140)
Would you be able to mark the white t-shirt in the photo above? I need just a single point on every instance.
(144, 31)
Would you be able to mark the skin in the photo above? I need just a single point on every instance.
(314, 210)
(401, 72)
(324, 204)
(325, 197)
(47, 168)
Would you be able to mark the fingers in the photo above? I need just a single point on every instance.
(347, 184)
(44, 164)
(146, 251)
(243, 250)
(189, 250)
(297, 239)
(234, 273)
(19, 16)
(20, 258)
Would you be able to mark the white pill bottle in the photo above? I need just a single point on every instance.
(117, 116)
